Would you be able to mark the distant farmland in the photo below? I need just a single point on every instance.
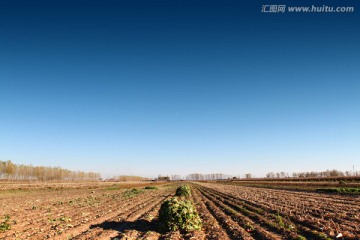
(228, 210)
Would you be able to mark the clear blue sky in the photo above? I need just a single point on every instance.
(175, 87)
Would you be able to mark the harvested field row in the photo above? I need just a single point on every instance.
(123, 221)
(84, 214)
(272, 223)
(249, 224)
(216, 227)
(276, 211)
(306, 205)
(294, 185)
(315, 196)
(227, 212)
(73, 212)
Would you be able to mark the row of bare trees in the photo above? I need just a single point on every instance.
(312, 174)
(12, 171)
(211, 176)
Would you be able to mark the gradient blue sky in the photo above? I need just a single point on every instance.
(175, 87)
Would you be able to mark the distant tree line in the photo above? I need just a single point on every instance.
(163, 178)
(211, 176)
(12, 171)
(313, 174)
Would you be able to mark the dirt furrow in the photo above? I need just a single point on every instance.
(308, 199)
(111, 226)
(42, 219)
(309, 223)
(211, 226)
(58, 223)
(315, 226)
(253, 226)
(329, 197)
(137, 220)
(276, 222)
(231, 221)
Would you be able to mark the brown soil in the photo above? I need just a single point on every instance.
(102, 211)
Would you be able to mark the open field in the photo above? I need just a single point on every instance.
(114, 211)
(73, 212)
(297, 184)
(282, 214)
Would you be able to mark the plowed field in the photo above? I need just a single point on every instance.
(254, 213)
(227, 212)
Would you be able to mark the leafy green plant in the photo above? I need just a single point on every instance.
(132, 192)
(178, 214)
(279, 221)
(65, 219)
(5, 225)
(248, 227)
(183, 191)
